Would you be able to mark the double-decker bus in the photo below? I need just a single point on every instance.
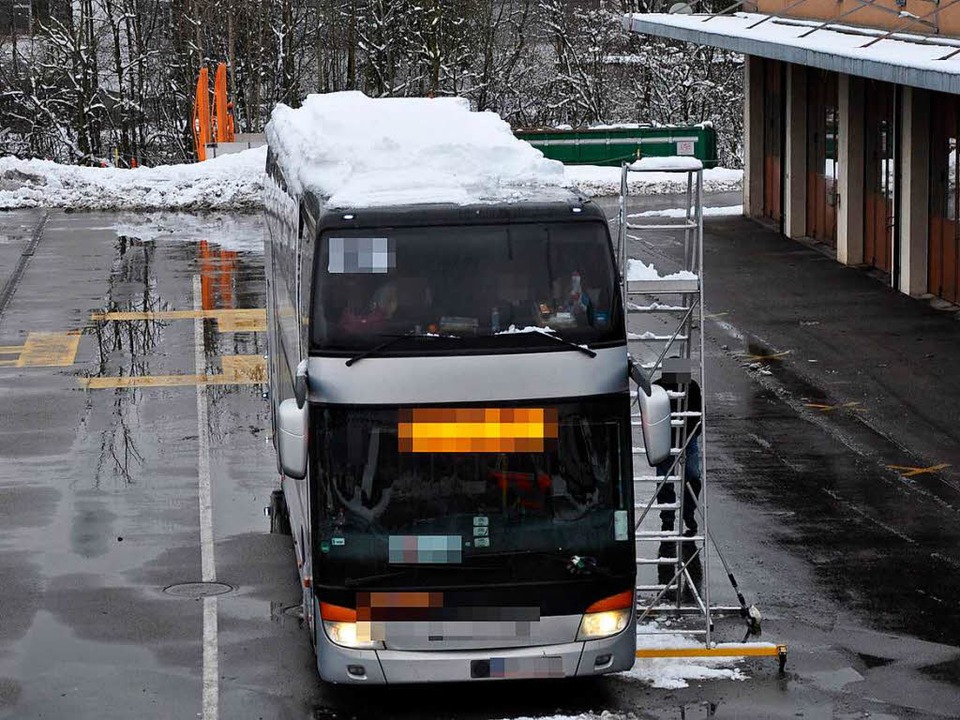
(451, 415)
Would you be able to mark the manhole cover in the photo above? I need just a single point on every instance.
(198, 589)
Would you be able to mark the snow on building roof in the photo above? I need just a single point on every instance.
(352, 150)
(915, 60)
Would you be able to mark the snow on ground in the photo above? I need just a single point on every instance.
(230, 182)
(639, 270)
(672, 673)
(603, 181)
(234, 183)
(719, 211)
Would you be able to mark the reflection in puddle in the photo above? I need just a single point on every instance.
(140, 285)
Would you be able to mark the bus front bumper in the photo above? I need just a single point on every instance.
(576, 659)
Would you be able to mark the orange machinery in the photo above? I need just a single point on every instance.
(203, 129)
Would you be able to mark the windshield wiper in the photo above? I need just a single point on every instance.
(575, 564)
(563, 341)
(387, 343)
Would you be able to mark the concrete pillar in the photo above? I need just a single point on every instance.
(850, 169)
(753, 136)
(795, 156)
(914, 191)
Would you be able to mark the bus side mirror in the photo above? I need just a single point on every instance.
(292, 436)
(655, 423)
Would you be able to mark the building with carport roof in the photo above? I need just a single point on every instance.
(852, 120)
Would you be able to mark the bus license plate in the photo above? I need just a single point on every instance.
(536, 667)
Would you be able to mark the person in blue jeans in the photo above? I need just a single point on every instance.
(667, 495)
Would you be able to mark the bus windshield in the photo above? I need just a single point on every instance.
(384, 502)
(482, 286)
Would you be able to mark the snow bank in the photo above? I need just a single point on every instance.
(233, 182)
(598, 181)
(718, 211)
(354, 150)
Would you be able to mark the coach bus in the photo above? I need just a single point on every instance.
(451, 416)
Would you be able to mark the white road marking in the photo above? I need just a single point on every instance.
(211, 669)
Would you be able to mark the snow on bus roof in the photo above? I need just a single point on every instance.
(356, 151)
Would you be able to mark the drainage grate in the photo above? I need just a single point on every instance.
(198, 589)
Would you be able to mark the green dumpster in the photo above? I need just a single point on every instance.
(613, 145)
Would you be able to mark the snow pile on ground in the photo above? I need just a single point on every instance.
(358, 151)
(639, 270)
(355, 151)
(598, 181)
(232, 182)
(673, 673)
(718, 211)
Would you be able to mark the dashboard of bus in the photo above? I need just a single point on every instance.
(465, 288)
(447, 495)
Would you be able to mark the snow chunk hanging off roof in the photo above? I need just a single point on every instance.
(353, 150)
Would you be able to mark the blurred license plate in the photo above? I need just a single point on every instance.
(537, 667)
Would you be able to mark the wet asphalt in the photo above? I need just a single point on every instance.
(854, 564)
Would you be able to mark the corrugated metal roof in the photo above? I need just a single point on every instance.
(919, 61)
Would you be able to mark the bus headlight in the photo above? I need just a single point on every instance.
(351, 635)
(603, 624)
(341, 626)
(607, 617)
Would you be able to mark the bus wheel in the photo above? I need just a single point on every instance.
(279, 515)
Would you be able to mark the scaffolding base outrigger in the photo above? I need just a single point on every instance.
(666, 346)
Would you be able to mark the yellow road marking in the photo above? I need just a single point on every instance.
(49, 349)
(775, 356)
(830, 408)
(4, 363)
(246, 369)
(232, 320)
(237, 370)
(10, 349)
(729, 651)
(907, 471)
(241, 320)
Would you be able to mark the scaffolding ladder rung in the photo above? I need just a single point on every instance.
(633, 308)
(656, 508)
(657, 561)
(656, 588)
(652, 337)
(653, 535)
(669, 226)
(663, 286)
